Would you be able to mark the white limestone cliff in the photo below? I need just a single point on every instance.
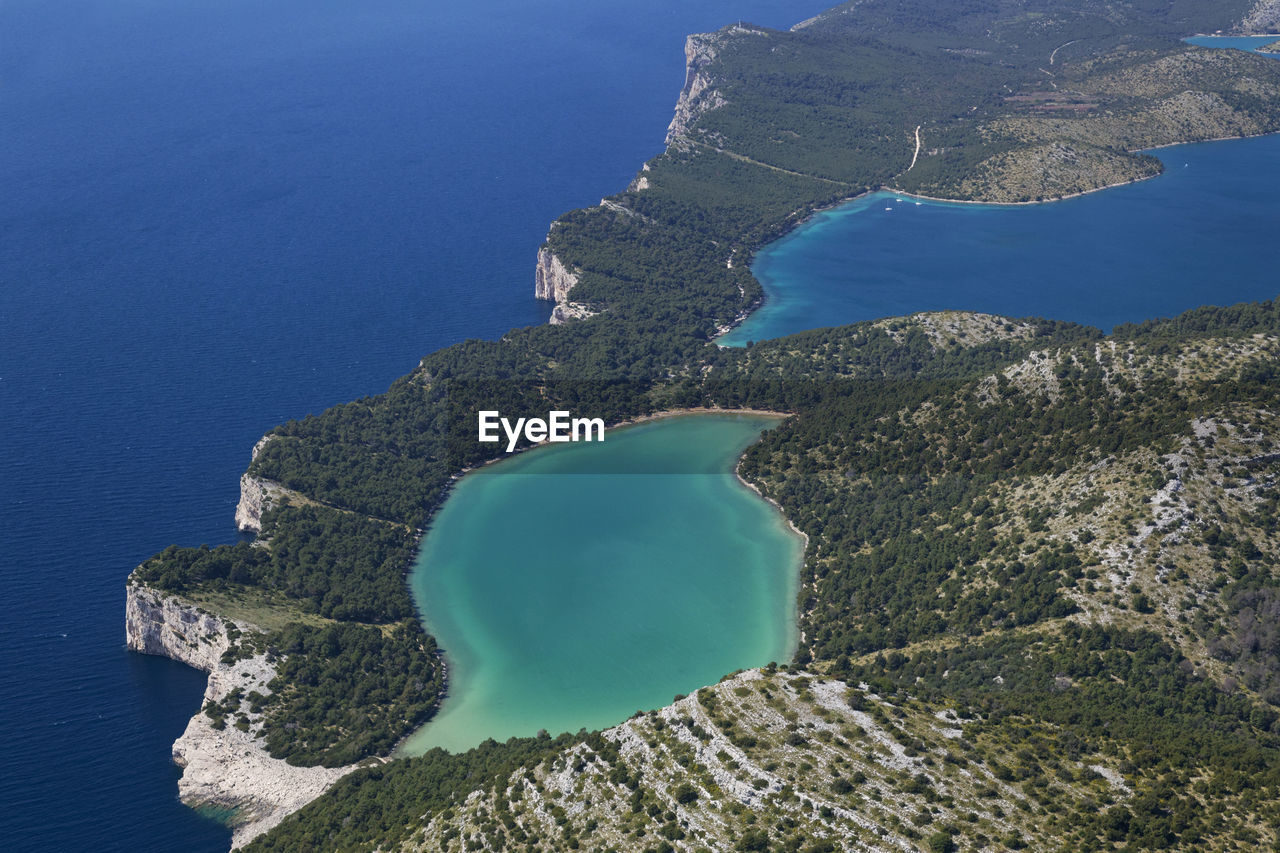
(697, 96)
(256, 495)
(552, 280)
(567, 311)
(227, 768)
(700, 95)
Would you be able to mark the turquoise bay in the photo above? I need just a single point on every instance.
(574, 584)
(1198, 234)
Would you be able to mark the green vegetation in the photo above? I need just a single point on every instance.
(346, 691)
(373, 807)
(1064, 538)
(337, 564)
(785, 761)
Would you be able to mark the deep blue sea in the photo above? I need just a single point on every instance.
(1198, 234)
(216, 215)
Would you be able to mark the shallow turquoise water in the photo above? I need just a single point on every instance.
(573, 585)
(1198, 234)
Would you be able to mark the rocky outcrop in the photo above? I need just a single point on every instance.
(256, 495)
(566, 311)
(770, 749)
(698, 96)
(1263, 18)
(552, 280)
(228, 768)
(224, 767)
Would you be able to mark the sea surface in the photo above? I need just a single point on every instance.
(1198, 234)
(215, 216)
(573, 585)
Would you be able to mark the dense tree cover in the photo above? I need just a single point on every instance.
(346, 691)
(377, 807)
(1232, 321)
(893, 484)
(1184, 739)
(336, 564)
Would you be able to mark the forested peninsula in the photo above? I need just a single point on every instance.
(1038, 602)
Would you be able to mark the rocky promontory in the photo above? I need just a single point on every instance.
(224, 766)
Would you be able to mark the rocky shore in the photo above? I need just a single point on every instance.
(224, 766)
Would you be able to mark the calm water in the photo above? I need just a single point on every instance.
(1249, 43)
(219, 215)
(571, 586)
(1198, 234)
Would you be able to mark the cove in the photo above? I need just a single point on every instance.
(1193, 236)
(572, 585)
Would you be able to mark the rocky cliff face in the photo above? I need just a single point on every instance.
(697, 96)
(567, 311)
(159, 624)
(552, 280)
(223, 767)
(256, 495)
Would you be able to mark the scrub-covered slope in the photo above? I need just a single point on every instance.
(1055, 575)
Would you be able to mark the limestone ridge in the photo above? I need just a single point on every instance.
(227, 767)
(837, 766)
(700, 95)
(553, 281)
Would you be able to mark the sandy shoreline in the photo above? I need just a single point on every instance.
(698, 410)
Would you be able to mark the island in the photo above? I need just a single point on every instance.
(1038, 600)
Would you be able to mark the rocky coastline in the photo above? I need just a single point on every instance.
(256, 495)
(223, 766)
